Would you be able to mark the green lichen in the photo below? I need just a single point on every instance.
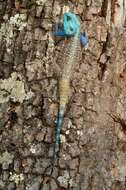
(8, 28)
(64, 180)
(62, 138)
(18, 20)
(17, 178)
(13, 88)
(6, 157)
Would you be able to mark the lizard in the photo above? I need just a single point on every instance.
(70, 29)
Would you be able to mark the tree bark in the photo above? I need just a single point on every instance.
(93, 139)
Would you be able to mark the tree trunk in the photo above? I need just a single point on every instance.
(93, 139)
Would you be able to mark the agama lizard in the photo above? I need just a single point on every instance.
(71, 29)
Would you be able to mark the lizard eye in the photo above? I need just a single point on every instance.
(68, 18)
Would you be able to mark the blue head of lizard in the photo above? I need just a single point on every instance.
(71, 27)
(71, 24)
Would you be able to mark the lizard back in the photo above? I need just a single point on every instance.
(71, 56)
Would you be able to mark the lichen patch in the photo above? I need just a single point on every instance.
(13, 88)
(6, 157)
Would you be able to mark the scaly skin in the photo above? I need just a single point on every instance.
(70, 58)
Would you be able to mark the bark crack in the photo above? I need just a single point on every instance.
(104, 8)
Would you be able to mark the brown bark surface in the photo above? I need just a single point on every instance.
(93, 139)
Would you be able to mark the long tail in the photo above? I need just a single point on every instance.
(64, 91)
(59, 124)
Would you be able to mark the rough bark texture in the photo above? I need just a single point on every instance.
(93, 140)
